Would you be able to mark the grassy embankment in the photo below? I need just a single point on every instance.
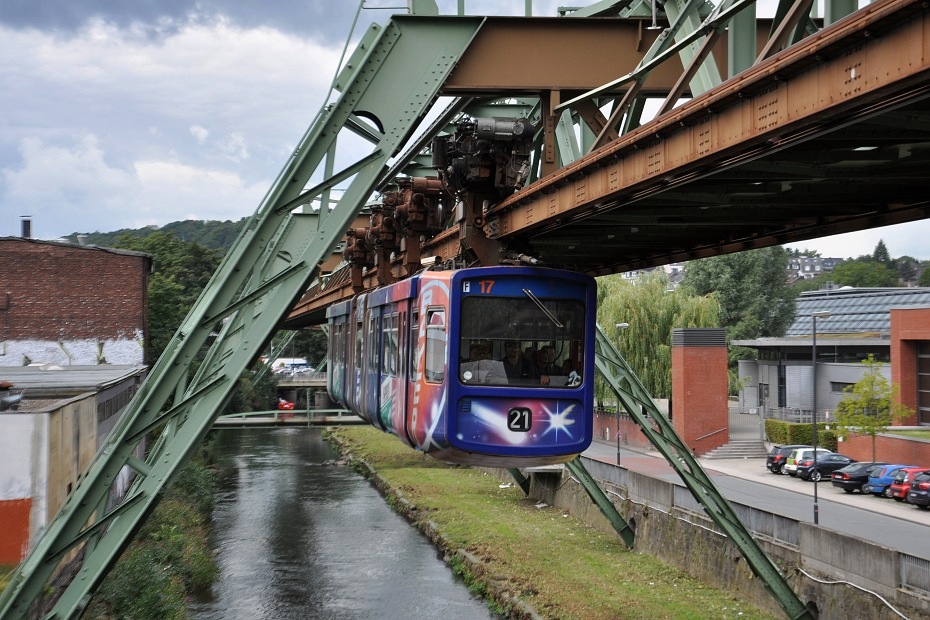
(550, 560)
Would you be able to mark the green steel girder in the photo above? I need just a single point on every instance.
(640, 406)
(600, 499)
(706, 76)
(392, 78)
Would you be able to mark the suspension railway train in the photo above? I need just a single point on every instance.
(443, 361)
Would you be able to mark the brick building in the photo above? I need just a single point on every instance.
(71, 305)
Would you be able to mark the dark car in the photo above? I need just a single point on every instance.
(855, 476)
(901, 483)
(919, 493)
(775, 462)
(826, 465)
(880, 479)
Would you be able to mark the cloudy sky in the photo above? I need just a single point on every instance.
(121, 114)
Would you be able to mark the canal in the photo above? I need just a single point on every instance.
(297, 536)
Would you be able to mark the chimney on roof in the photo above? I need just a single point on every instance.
(26, 226)
(82, 239)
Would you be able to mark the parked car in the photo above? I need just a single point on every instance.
(901, 483)
(919, 493)
(880, 479)
(854, 477)
(775, 462)
(799, 454)
(826, 465)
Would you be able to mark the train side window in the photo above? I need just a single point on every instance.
(412, 346)
(373, 320)
(359, 338)
(435, 368)
(389, 345)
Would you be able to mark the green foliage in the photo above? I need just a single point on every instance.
(871, 404)
(906, 267)
(652, 312)
(880, 254)
(255, 391)
(924, 279)
(865, 273)
(169, 557)
(810, 284)
(210, 234)
(181, 270)
(755, 300)
(785, 433)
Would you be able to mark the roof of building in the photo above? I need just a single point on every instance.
(71, 246)
(64, 381)
(854, 310)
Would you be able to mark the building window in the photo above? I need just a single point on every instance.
(923, 382)
(838, 387)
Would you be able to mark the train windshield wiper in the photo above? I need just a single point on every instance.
(545, 310)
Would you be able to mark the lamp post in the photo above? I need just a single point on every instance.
(822, 314)
(620, 327)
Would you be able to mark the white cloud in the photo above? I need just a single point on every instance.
(100, 123)
(200, 133)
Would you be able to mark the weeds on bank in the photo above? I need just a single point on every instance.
(169, 557)
(547, 558)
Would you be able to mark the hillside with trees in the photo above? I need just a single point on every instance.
(211, 234)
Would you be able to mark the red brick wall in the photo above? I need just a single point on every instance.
(605, 428)
(14, 535)
(699, 396)
(54, 291)
(888, 449)
(908, 325)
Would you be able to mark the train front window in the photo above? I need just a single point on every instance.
(525, 341)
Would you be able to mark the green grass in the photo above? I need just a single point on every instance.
(914, 434)
(552, 561)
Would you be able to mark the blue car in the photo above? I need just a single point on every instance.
(881, 478)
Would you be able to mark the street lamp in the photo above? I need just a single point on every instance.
(821, 314)
(620, 327)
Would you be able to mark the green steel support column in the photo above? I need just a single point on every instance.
(520, 479)
(266, 270)
(601, 500)
(835, 10)
(639, 404)
(707, 76)
(741, 45)
(565, 139)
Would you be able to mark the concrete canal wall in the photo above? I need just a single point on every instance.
(844, 576)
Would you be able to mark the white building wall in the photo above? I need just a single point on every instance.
(121, 352)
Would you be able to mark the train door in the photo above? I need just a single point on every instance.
(371, 380)
(339, 317)
(357, 322)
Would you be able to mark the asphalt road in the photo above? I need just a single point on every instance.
(887, 522)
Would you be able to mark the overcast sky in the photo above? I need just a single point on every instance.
(122, 114)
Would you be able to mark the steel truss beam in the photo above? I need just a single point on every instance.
(639, 404)
(267, 269)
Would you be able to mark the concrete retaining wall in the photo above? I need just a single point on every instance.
(871, 578)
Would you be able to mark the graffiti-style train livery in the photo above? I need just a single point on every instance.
(485, 366)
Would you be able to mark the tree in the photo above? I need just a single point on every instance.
(865, 273)
(880, 254)
(924, 279)
(652, 312)
(871, 405)
(755, 300)
(181, 270)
